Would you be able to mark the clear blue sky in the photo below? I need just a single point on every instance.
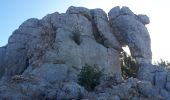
(14, 12)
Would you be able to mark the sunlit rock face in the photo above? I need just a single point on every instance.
(75, 38)
(130, 30)
(43, 57)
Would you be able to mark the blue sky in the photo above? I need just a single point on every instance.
(14, 12)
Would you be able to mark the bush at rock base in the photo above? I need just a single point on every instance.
(89, 77)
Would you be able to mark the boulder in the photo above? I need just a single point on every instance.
(27, 90)
(132, 81)
(51, 20)
(168, 82)
(6, 93)
(79, 10)
(160, 79)
(103, 30)
(51, 72)
(147, 89)
(114, 13)
(123, 90)
(143, 19)
(146, 72)
(165, 94)
(26, 46)
(16, 59)
(157, 75)
(106, 96)
(70, 91)
(126, 11)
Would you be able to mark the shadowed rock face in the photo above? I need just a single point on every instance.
(44, 56)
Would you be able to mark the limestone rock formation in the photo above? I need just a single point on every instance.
(130, 30)
(71, 39)
(43, 57)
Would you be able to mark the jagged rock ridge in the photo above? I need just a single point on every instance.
(43, 57)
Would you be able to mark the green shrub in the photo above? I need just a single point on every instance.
(163, 63)
(76, 37)
(129, 66)
(89, 77)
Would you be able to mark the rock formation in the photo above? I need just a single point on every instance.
(44, 56)
(130, 30)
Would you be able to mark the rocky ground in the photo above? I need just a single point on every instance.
(24, 88)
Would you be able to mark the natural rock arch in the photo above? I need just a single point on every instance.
(50, 40)
(130, 30)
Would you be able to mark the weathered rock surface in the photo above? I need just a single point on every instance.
(158, 76)
(44, 56)
(103, 29)
(155, 74)
(131, 89)
(32, 89)
(143, 18)
(130, 30)
(147, 89)
(60, 39)
(51, 72)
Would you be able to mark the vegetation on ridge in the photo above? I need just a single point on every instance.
(163, 63)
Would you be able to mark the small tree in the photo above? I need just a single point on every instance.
(129, 66)
(89, 77)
